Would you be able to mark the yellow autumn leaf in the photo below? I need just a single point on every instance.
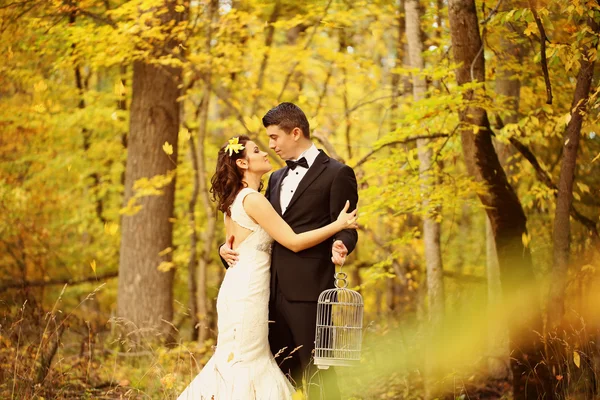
(577, 359)
(254, 123)
(41, 86)
(298, 395)
(131, 208)
(230, 357)
(167, 148)
(595, 158)
(167, 381)
(165, 251)
(119, 88)
(185, 134)
(165, 266)
(111, 228)
(93, 265)
(583, 187)
(179, 8)
(329, 24)
(588, 267)
(526, 239)
(531, 28)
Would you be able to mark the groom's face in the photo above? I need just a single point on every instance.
(284, 144)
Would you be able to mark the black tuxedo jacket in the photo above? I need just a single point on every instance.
(318, 200)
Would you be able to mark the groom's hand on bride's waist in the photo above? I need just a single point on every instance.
(227, 253)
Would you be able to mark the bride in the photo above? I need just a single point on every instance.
(242, 366)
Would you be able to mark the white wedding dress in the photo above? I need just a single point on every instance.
(243, 367)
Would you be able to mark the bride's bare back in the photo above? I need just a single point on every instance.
(238, 232)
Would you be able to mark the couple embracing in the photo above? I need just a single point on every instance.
(280, 259)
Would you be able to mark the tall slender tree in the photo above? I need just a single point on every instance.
(531, 378)
(431, 227)
(564, 200)
(145, 293)
(508, 85)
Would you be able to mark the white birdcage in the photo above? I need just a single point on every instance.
(338, 337)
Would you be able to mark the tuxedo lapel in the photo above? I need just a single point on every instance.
(313, 173)
(276, 190)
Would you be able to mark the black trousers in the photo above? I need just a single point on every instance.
(292, 339)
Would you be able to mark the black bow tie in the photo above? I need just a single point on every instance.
(293, 164)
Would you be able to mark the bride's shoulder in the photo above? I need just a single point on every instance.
(255, 202)
(254, 198)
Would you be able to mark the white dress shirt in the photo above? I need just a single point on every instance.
(292, 179)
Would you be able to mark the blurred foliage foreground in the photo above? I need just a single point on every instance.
(67, 352)
(68, 77)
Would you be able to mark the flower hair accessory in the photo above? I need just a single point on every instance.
(234, 146)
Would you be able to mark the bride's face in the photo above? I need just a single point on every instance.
(258, 161)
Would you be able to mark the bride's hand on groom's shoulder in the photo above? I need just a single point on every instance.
(348, 220)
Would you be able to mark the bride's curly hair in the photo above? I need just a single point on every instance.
(227, 180)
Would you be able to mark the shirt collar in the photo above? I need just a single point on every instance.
(310, 154)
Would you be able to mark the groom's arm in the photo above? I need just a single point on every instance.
(225, 250)
(344, 188)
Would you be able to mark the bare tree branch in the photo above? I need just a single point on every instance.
(58, 281)
(324, 90)
(98, 18)
(367, 102)
(465, 277)
(399, 269)
(545, 178)
(403, 141)
(16, 4)
(328, 146)
(543, 39)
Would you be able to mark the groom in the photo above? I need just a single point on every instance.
(308, 193)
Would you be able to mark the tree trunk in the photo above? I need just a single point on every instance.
(431, 228)
(564, 201)
(498, 344)
(269, 35)
(193, 260)
(399, 57)
(343, 43)
(381, 228)
(531, 378)
(145, 294)
(209, 234)
(390, 300)
(82, 87)
(508, 85)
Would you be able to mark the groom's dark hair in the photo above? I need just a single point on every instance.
(287, 116)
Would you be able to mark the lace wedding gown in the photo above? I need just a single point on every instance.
(243, 367)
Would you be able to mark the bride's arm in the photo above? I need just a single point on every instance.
(259, 208)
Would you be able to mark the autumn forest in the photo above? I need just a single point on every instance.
(473, 128)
